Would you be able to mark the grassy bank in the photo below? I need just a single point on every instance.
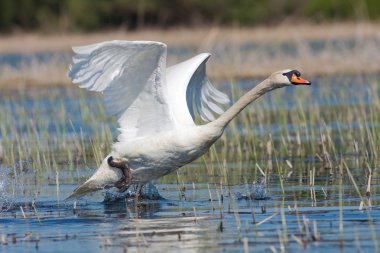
(327, 49)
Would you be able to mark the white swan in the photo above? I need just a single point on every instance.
(155, 107)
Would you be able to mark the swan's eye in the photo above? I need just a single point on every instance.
(297, 73)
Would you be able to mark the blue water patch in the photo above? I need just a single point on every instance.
(16, 60)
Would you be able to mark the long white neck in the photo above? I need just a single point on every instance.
(259, 90)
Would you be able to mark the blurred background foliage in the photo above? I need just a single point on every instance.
(90, 15)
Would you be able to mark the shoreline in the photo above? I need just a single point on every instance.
(316, 50)
(202, 38)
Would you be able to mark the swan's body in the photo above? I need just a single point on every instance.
(154, 107)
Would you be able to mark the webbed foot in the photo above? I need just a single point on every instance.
(126, 180)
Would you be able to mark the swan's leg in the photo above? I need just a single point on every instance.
(137, 198)
(125, 182)
(138, 192)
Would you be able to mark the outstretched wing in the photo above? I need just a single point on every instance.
(131, 75)
(189, 89)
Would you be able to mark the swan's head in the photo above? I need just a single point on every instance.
(288, 77)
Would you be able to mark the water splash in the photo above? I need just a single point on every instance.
(7, 199)
(256, 191)
(148, 192)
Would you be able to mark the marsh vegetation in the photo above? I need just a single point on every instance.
(295, 171)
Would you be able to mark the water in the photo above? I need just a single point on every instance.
(192, 216)
(203, 207)
(194, 223)
(6, 198)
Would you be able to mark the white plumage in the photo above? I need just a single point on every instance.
(155, 107)
(144, 95)
(148, 99)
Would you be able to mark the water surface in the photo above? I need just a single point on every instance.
(242, 195)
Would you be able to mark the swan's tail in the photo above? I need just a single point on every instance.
(89, 186)
(105, 177)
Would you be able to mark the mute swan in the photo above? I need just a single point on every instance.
(155, 108)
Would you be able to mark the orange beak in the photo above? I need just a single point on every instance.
(298, 80)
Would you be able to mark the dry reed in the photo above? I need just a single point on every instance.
(327, 49)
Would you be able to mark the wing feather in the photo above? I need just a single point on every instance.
(190, 89)
(131, 75)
